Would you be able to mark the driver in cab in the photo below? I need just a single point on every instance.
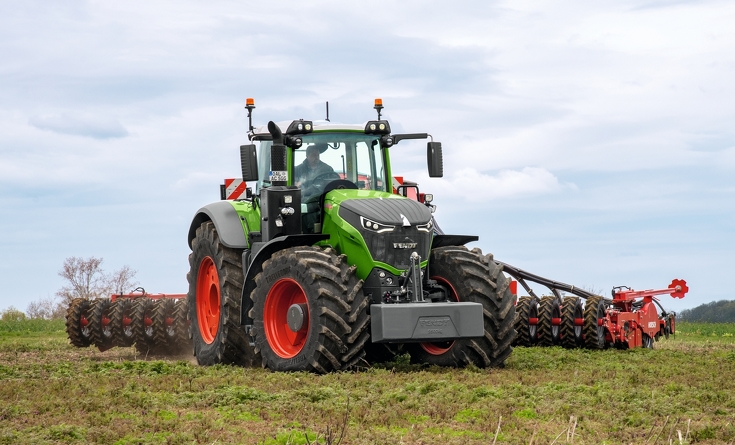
(310, 169)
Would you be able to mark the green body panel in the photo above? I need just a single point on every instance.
(249, 217)
(347, 240)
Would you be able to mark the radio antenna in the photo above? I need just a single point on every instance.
(327, 111)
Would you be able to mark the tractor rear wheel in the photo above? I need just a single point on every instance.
(143, 327)
(215, 289)
(162, 318)
(594, 330)
(549, 315)
(526, 309)
(571, 334)
(309, 312)
(100, 331)
(121, 322)
(472, 277)
(77, 323)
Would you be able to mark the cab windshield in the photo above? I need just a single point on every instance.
(326, 157)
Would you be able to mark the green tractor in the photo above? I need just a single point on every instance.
(322, 267)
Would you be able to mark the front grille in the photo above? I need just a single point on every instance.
(382, 246)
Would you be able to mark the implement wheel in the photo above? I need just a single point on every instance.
(526, 312)
(143, 327)
(594, 330)
(121, 322)
(182, 325)
(647, 341)
(472, 277)
(100, 332)
(309, 312)
(164, 331)
(215, 287)
(77, 323)
(549, 319)
(571, 334)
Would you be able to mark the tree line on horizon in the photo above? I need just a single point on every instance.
(722, 311)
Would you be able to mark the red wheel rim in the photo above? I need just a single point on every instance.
(440, 348)
(208, 300)
(284, 342)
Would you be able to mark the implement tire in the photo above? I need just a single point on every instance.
(309, 312)
(475, 278)
(594, 333)
(77, 323)
(100, 332)
(571, 335)
(121, 322)
(143, 328)
(548, 332)
(526, 309)
(164, 333)
(215, 286)
(182, 325)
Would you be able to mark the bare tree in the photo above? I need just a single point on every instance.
(86, 279)
(46, 308)
(121, 281)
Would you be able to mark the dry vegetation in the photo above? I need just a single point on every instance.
(53, 393)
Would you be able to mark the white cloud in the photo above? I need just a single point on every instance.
(470, 185)
(97, 127)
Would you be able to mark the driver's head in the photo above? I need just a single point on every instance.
(312, 154)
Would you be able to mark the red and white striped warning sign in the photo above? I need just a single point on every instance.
(234, 188)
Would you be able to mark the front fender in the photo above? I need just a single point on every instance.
(226, 221)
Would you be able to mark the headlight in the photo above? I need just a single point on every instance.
(374, 226)
(425, 227)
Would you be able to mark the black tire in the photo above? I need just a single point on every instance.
(335, 323)
(121, 322)
(142, 327)
(571, 335)
(218, 336)
(549, 334)
(381, 352)
(100, 332)
(164, 331)
(526, 309)
(474, 278)
(77, 323)
(182, 325)
(594, 333)
(647, 341)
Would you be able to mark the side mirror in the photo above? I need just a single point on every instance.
(249, 163)
(434, 159)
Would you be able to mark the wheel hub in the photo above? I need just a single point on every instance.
(297, 314)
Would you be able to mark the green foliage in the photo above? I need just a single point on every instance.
(12, 314)
(51, 392)
(25, 325)
(722, 311)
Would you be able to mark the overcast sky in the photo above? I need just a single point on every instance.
(592, 142)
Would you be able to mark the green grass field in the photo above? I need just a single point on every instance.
(51, 392)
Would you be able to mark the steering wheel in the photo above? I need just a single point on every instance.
(324, 179)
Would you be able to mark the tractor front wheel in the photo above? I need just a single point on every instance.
(309, 312)
(215, 288)
(472, 277)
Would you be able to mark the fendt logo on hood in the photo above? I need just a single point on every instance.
(405, 245)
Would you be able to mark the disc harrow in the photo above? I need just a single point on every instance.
(631, 319)
(153, 323)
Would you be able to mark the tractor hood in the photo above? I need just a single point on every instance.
(399, 212)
